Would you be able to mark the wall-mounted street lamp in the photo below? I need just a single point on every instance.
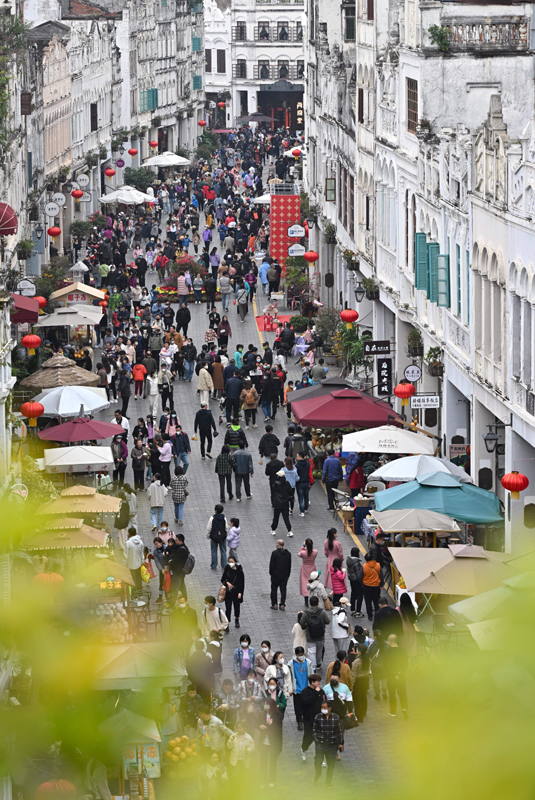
(359, 292)
(491, 437)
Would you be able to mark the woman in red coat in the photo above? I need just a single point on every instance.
(357, 481)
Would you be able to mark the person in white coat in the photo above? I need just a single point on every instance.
(133, 554)
(153, 392)
(340, 627)
(156, 493)
(281, 672)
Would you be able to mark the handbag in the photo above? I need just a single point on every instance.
(328, 605)
(222, 593)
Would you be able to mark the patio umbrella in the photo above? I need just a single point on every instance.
(81, 458)
(66, 401)
(339, 406)
(415, 520)
(409, 467)
(166, 159)
(438, 491)
(101, 570)
(74, 501)
(81, 429)
(387, 439)
(264, 199)
(501, 602)
(438, 571)
(66, 533)
(128, 196)
(79, 267)
(290, 153)
(59, 371)
(138, 666)
(71, 315)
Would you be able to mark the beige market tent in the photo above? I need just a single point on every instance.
(66, 533)
(127, 728)
(138, 666)
(103, 569)
(440, 571)
(414, 520)
(59, 371)
(77, 289)
(81, 500)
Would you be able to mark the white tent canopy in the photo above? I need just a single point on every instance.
(408, 469)
(82, 458)
(127, 195)
(387, 439)
(71, 315)
(264, 199)
(65, 401)
(414, 520)
(166, 159)
(79, 267)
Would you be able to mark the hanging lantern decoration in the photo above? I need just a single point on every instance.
(153, 144)
(349, 316)
(305, 226)
(31, 341)
(32, 411)
(404, 391)
(110, 172)
(296, 153)
(54, 232)
(221, 104)
(42, 301)
(132, 152)
(515, 483)
(77, 194)
(103, 304)
(311, 256)
(202, 123)
(60, 789)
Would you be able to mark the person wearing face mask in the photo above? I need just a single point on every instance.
(226, 703)
(269, 722)
(183, 623)
(300, 668)
(281, 673)
(329, 738)
(312, 698)
(340, 668)
(212, 618)
(233, 581)
(251, 695)
(243, 657)
(263, 659)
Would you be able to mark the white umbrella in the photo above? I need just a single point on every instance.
(387, 439)
(264, 199)
(82, 458)
(408, 469)
(414, 520)
(127, 195)
(71, 315)
(166, 159)
(79, 267)
(65, 401)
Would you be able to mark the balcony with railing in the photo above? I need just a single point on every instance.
(280, 2)
(490, 35)
(288, 33)
(277, 72)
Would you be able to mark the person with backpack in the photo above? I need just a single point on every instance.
(181, 563)
(249, 400)
(225, 465)
(269, 443)
(314, 621)
(316, 589)
(216, 530)
(212, 618)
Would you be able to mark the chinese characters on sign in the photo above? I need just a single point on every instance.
(374, 348)
(143, 756)
(110, 583)
(425, 401)
(413, 373)
(300, 118)
(77, 297)
(384, 376)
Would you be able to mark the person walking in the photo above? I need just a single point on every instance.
(332, 549)
(133, 555)
(376, 651)
(370, 578)
(156, 494)
(338, 580)
(312, 698)
(233, 581)
(329, 739)
(314, 621)
(341, 668)
(308, 566)
(269, 443)
(270, 724)
(241, 300)
(119, 452)
(240, 746)
(179, 493)
(235, 436)
(249, 400)
(244, 471)
(331, 476)
(205, 385)
(281, 502)
(396, 662)
(360, 674)
(280, 567)
(302, 485)
(263, 659)
(340, 629)
(233, 538)
(225, 465)
(165, 387)
(353, 566)
(139, 455)
(316, 589)
(166, 453)
(300, 668)
(153, 392)
(205, 424)
(124, 391)
(216, 530)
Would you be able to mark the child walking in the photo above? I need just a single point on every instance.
(233, 538)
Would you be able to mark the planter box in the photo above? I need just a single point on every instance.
(416, 351)
(330, 239)
(436, 370)
(352, 266)
(373, 294)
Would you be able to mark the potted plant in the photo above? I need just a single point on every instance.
(24, 249)
(299, 324)
(80, 228)
(433, 359)
(91, 160)
(103, 153)
(330, 233)
(415, 344)
(351, 259)
(156, 122)
(371, 288)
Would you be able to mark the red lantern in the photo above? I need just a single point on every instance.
(54, 231)
(77, 193)
(42, 301)
(103, 304)
(296, 153)
(515, 483)
(404, 391)
(110, 172)
(31, 342)
(201, 123)
(153, 144)
(8, 220)
(349, 316)
(311, 256)
(32, 411)
(221, 104)
(305, 226)
(132, 152)
(53, 790)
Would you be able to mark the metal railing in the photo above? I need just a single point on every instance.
(276, 72)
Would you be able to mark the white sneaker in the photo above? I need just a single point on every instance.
(290, 534)
(324, 764)
(303, 755)
(273, 533)
(255, 426)
(291, 511)
(246, 427)
(301, 514)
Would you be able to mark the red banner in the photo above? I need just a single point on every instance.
(285, 211)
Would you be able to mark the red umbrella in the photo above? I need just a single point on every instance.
(81, 429)
(342, 407)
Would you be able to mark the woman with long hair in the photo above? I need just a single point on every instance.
(408, 618)
(308, 565)
(360, 673)
(332, 549)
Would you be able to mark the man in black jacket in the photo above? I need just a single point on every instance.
(311, 699)
(287, 337)
(268, 443)
(233, 389)
(281, 502)
(268, 354)
(204, 423)
(280, 567)
(272, 467)
(177, 555)
(183, 319)
(387, 619)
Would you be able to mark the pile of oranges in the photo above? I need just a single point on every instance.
(180, 749)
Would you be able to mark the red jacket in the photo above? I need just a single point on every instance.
(139, 372)
(338, 579)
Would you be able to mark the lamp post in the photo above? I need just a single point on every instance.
(39, 231)
(491, 438)
(359, 292)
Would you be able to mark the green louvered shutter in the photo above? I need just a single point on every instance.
(433, 250)
(195, 44)
(443, 281)
(420, 259)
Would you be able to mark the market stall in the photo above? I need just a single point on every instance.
(139, 666)
(140, 743)
(409, 468)
(77, 293)
(109, 585)
(59, 371)
(80, 458)
(81, 500)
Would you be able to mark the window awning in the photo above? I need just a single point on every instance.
(26, 309)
